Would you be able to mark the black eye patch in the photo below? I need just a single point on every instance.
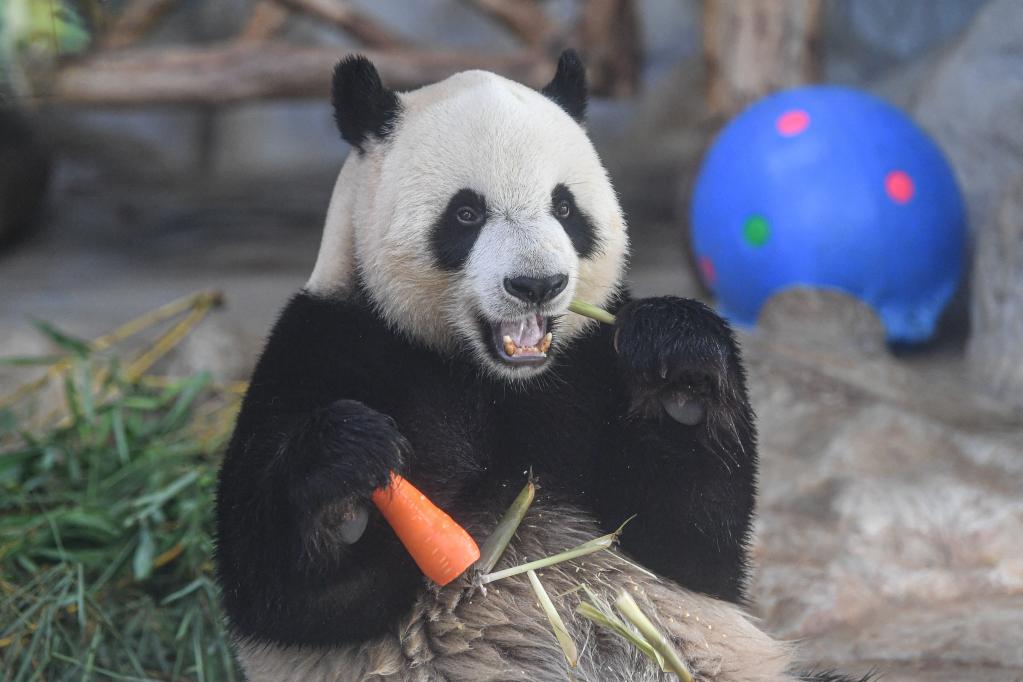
(576, 223)
(453, 235)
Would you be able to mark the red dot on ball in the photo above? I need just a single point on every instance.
(792, 122)
(707, 270)
(899, 186)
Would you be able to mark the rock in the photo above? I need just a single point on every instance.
(969, 97)
(995, 351)
(830, 365)
(890, 529)
(973, 106)
(976, 640)
(825, 318)
(886, 539)
(218, 346)
(866, 37)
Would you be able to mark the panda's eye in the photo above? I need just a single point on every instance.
(563, 209)
(468, 216)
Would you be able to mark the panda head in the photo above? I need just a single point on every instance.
(472, 211)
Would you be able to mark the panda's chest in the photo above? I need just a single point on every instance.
(462, 430)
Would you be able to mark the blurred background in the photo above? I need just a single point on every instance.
(150, 149)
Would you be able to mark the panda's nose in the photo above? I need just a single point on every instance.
(535, 289)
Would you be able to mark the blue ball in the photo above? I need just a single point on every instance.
(832, 188)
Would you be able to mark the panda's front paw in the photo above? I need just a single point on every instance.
(676, 355)
(345, 451)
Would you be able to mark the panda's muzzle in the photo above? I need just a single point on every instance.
(522, 341)
(536, 290)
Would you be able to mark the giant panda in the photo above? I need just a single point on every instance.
(433, 339)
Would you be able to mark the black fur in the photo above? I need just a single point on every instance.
(568, 87)
(362, 105)
(665, 347)
(450, 240)
(311, 436)
(577, 225)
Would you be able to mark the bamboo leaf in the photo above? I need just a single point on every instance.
(560, 631)
(142, 563)
(83, 380)
(62, 339)
(30, 360)
(628, 607)
(189, 391)
(156, 499)
(120, 435)
(601, 613)
(83, 520)
(184, 591)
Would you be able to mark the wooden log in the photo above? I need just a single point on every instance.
(611, 46)
(137, 18)
(525, 19)
(360, 26)
(267, 18)
(245, 71)
(754, 47)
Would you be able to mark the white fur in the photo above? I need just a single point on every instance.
(458, 633)
(512, 145)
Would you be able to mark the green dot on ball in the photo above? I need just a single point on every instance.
(756, 230)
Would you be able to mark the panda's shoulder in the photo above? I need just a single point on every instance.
(323, 316)
(315, 332)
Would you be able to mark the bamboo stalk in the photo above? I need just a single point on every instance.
(591, 311)
(589, 547)
(146, 320)
(595, 545)
(167, 341)
(124, 331)
(163, 345)
(495, 545)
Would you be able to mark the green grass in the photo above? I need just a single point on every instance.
(106, 515)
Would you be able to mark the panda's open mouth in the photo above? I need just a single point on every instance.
(523, 341)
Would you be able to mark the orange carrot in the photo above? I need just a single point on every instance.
(441, 548)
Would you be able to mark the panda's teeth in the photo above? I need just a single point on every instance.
(545, 343)
(509, 346)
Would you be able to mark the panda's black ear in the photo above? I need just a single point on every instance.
(568, 87)
(362, 105)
